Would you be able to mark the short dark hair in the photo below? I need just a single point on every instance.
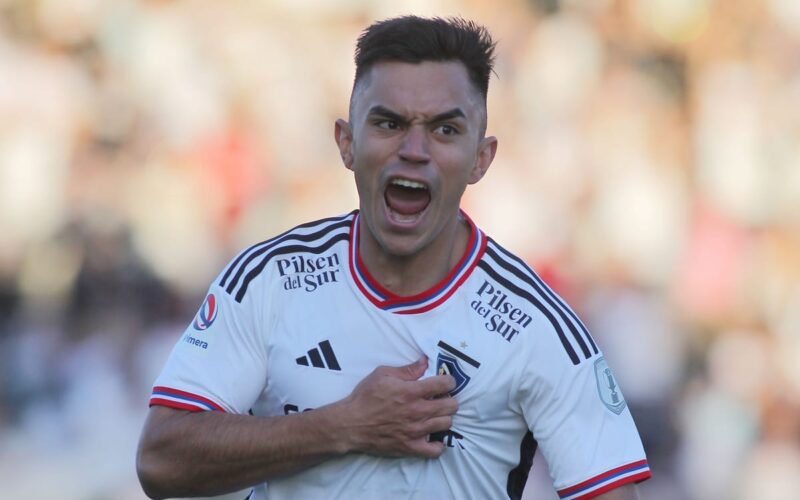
(415, 39)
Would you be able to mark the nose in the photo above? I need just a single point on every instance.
(414, 148)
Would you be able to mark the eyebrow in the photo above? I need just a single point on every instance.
(392, 115)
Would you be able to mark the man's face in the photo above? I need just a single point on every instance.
(414, 142)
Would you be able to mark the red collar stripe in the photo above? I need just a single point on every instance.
(426, 300)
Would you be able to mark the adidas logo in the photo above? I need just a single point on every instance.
(316, 355)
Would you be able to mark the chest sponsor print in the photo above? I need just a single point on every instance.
(501, 315)
(309, 273)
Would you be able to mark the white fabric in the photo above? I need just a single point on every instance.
(260, 352)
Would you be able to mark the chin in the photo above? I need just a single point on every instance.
(400, 245)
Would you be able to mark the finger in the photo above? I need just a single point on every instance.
(441, 407)
(436, 424)
(429, 408)
(409, 372)
(434, 386)
(423, 448)
(424, 428)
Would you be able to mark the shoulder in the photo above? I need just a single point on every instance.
(258, 261)
(513, 287)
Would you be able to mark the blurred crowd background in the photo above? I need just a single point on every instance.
(649, 169)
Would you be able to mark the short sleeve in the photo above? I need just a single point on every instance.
(579, 417)
(219, 362)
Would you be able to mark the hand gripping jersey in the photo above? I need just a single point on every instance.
(297, 321)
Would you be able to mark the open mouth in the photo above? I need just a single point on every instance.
(406, 199)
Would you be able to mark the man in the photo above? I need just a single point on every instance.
(396, 351)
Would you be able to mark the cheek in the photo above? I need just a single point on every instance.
(454, 187)
(457, 170)
(368, 163)
(362, 183)
(366, 182)
(375, 154)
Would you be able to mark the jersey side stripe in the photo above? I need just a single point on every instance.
(275, 239)
(306, 238)
(518, 476)
(527, 279)
(573, 356)
(282, 251)
(547, 290)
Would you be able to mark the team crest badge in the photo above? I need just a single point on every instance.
(607, 387)
(207, 314)
(448, 365)
(449, 362)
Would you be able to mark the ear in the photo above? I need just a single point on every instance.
(343, 135)
(486, 152)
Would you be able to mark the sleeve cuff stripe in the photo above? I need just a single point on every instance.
(175, 404)
(183, 397)
(635, 478)
(617, 476)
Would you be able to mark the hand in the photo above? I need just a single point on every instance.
(392, 411)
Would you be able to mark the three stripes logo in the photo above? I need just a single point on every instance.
(321, 356)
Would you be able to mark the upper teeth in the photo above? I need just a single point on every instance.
(409, 184)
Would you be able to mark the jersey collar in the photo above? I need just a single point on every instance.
(430, 298)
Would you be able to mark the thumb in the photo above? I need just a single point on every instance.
(409, 372)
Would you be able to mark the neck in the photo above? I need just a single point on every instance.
(407, 275)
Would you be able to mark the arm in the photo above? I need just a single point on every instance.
(390, 412)
(579, 418)
(183, 453)
(624, 492)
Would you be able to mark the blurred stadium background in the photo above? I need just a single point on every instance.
(649, 168)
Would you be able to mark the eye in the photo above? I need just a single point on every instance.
(446, 130)
(387, 124)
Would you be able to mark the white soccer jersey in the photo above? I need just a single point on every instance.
(297, 321)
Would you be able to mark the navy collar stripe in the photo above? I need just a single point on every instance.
(427, 300)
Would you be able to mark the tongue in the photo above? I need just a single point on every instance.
(407, 201)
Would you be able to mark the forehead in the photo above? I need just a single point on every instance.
(425, 88)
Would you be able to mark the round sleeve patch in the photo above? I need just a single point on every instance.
(207, 314)
(607, 387)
